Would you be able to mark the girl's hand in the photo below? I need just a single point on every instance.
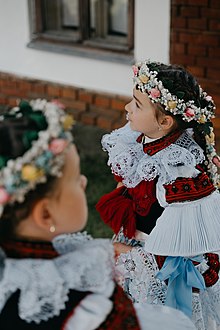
(120, 184)
(121, 248)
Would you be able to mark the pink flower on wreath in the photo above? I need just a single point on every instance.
(208, 98)
(135, 70)
(189, 112)
(155, 93)
(216, 161)
(58, 103)
(4, 196)
(57, 146)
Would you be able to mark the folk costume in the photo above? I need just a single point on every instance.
(64, 285)
(167, 209)
(67, 283)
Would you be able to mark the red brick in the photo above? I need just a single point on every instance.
(73, 104)
(199, 39)
(105, 122)
(179, 48)
(53, 91)
(12, 101)
(215, 4)
(68, 92)
(102, 101)
(214, 25)
(210, 13)
(24, 85)
(115, 114)
(197, 71)
(39, 88)
(3, 99)
(10, 91)
(205, 61)
(214, 51)
(174, 36)
(118, 104)
(11, 84)
(196, 50)
(213, 74)
(190, 11)
(183, 59)
(197, 23)
(212, 87)
(198, 2)
(86, 96)
(179, 2)
(178, 22)
(89, 118)
(75, 113)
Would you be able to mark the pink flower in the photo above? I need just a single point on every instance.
(189, 112)
(154, 93)
(208, 98)
(216, 161)
(57, 146)
(58, 103)
(135, 69)
(4, 196)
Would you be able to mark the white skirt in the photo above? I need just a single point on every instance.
(187, 229)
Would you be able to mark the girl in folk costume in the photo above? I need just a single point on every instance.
(51, 278)
(165, 210)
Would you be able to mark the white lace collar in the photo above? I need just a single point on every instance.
(128, 160)
(84, 265)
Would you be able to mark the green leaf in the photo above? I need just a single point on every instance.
(3, 161)
(28, 137)
(180, 94)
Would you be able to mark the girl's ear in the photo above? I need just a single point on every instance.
(41, 215)
(167, 122)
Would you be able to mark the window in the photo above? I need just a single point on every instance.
(106, 25)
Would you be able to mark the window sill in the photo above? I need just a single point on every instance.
(82, 51)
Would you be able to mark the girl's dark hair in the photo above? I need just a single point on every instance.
(15, 137)
(181, 82)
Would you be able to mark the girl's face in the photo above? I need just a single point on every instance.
(142, 115)
(70, 205)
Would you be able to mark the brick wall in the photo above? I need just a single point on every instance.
(88, 107)
(195, 44)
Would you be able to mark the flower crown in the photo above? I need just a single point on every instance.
(145, 77)
(44, 158)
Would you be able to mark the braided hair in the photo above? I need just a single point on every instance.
(184, 85)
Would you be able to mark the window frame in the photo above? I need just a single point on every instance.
(84, 46)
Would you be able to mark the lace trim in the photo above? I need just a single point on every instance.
(44, 284)
(136, 274)
(128, 160)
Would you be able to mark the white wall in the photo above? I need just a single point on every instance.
(151, 41)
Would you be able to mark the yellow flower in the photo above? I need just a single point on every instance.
(143, 79)
(210, 138)
(172, 104)
(202, 119)
(68, 122)
(31, 173)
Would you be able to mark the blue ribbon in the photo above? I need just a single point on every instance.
(182, 276)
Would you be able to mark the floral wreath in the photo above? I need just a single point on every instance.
(147, 81)
(145, 78)
(44, 158)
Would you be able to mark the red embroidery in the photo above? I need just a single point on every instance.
(189, 189)
(123, 315)
(153, 147)
(26, 249)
